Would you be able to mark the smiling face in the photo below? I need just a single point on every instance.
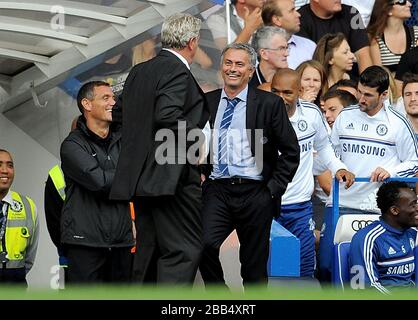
(100, 107)
(7, 173)
(410, 98)
(407, 209)
(236, 69)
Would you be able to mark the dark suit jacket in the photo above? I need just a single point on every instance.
(267, 111)
(157, 94)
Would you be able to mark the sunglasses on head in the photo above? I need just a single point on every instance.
(400, 2)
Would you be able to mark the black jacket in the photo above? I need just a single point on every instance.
(266, 111)
(156, 95)
(89, 218)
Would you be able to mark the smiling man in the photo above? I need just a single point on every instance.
(96, 232)
(19, 227)
(243, 188)
(410, 99)
(383, 252)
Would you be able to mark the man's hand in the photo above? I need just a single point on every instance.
(252, 20)
(202, 178)
(379, 174)
(345, 176)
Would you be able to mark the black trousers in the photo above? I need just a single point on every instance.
(89, 264)
(249, 209)
(169, 234)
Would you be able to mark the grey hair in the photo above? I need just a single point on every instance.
(262, 37)
(178, 29)
(252, 55)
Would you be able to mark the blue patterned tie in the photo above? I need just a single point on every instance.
(223, 132)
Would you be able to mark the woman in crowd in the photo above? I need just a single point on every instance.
(334, 53)
(389, 36)
(313, 81)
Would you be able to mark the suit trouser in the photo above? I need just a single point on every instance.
(249, 209)
(169, 234)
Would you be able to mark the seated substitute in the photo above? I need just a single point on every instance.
(383, 252)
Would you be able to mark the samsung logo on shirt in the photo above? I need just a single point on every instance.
(362, 149)
(402, 269)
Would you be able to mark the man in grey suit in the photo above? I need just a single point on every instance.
(161, 104)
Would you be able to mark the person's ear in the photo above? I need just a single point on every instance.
(384, 94)
(276, 21)
(394, 210)
(86, 103)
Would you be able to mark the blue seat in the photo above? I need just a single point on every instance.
(284, 259)
(341, 265)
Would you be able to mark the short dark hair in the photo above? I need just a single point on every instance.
(87, 91)
(407, 79)
(345, 97)
(270, 9)
(375, 77)
(346, 83)
(388, 194)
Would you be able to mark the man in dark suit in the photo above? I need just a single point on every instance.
(255, 154)
(162, 104)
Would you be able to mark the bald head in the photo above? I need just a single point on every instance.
(286, 84)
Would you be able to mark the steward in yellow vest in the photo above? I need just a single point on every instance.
(19, 227)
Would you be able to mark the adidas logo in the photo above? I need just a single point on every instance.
(350, 126)
(391, 250)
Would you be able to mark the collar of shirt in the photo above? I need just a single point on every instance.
(242, 95)
(390, 228)
(8, 197)
(239, 19)
(178, 55)
(295, 117)
(292, 40)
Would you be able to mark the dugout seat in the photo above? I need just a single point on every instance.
(347, 226)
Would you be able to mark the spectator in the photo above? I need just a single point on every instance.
(313, 81)
(270, 43)
(323, 16)
(20, 227)
(283, 14)
(383, 251)
(334, 53)
(248, 177)
(245, 19)
(408, 63)
(389, 36)
(96, 232)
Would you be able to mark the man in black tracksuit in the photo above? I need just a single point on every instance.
(96, 231)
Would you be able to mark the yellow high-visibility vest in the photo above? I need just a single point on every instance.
(20, 227)
(58, 179)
